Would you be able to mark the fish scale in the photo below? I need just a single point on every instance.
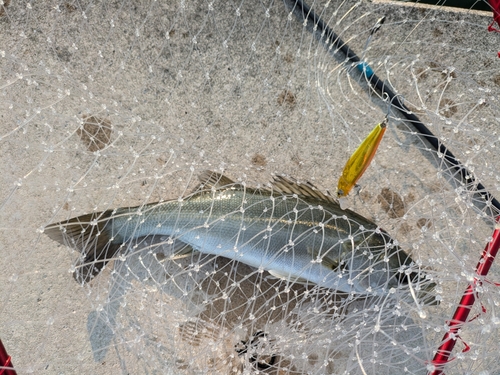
(292, 230)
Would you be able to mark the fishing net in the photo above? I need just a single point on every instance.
(108, 104)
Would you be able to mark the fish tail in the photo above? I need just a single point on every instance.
(91, 235)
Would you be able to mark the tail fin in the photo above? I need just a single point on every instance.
(91, 235)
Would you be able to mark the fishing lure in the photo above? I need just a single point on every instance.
(360, 160)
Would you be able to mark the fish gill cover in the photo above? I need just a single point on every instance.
(112, 104)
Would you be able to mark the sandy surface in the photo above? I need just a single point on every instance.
(185, 88)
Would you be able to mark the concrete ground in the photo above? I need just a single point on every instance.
(244, 87)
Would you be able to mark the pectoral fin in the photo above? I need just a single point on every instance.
(327, 259)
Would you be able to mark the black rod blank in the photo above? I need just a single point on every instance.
(377, 84)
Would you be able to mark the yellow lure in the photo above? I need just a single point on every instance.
(360, 159)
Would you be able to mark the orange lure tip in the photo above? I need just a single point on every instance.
(360, 160)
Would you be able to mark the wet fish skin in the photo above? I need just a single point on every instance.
(291, 230)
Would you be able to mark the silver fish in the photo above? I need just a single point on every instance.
(291, 230)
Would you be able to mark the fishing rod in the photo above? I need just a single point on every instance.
(460, 317)
(379, 85)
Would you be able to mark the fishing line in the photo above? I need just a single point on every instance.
(377, 85)
(374, 29)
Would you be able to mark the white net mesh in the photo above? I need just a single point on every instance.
(124, 103)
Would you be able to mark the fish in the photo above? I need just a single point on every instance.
(361, 158)
(290, 229)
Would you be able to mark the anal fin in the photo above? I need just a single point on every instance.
(282, 276)
(326, 259)
(178, 250)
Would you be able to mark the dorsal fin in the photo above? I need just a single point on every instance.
(210, 179)
(287, 185)
(280, 184)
